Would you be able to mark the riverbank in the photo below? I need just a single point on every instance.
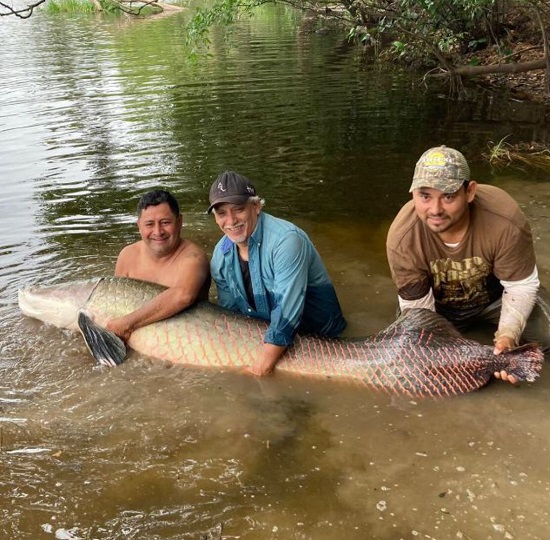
(526, 86)
(512, 61)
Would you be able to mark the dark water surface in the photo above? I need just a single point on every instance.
(96, 110)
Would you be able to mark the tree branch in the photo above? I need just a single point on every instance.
(23, 13)
(472, 71)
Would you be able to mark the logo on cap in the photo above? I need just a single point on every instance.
(435, 159)
(442, 168)
(230, 187)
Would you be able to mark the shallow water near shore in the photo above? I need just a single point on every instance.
(95, 111)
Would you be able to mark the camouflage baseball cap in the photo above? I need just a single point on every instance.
(442, 168)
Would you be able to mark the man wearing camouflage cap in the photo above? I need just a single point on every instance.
(466, 251)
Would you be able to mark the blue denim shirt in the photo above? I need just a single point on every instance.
(292, 289)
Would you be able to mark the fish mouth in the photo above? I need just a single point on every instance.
(56, 304)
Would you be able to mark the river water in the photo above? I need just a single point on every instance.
(96, 110)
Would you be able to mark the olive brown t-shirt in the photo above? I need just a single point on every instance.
(465, 279)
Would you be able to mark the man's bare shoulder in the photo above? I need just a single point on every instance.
(190, 268)
(127, 259)
(191, 250)
(131, 250)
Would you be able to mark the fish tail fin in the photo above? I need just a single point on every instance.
(105, 346)
(524, 362)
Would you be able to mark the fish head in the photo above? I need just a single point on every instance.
(56, 304)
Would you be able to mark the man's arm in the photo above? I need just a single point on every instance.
(426, 302)
(190, 275)
(518, 300)
(291, 275)
(412, 280)
(269, 356)
(167, 303)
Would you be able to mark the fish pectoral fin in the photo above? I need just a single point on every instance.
(105, 346)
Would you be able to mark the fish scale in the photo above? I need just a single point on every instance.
(420, 354)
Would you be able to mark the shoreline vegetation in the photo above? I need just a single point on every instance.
(523, 156)
(134, 8)
(496, 44)
(500, 43)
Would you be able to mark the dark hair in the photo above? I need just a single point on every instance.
(156, 197)
(466, 183)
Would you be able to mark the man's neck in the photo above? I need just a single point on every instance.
(456, 234)
(243, 250)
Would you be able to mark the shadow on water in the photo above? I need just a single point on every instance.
(95, 111)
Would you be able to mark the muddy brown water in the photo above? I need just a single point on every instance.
(95, 111)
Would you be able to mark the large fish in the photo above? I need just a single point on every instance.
(419, 354)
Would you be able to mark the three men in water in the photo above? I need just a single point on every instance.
(459, 248)
(161, 256)
(465, 250)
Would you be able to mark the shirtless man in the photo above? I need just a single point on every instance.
(163, 257)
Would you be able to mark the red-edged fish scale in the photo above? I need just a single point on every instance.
(405, 358)
(413, 363)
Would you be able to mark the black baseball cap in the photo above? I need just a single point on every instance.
(230, 187)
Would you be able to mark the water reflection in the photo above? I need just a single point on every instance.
(94, 111)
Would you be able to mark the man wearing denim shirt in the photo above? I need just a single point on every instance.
(268, 268)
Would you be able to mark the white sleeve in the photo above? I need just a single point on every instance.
(427, 302)
(518, 300)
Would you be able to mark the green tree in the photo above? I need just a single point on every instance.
(24, 10)
(430, 33)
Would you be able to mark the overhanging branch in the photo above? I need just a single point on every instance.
(23, 13)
